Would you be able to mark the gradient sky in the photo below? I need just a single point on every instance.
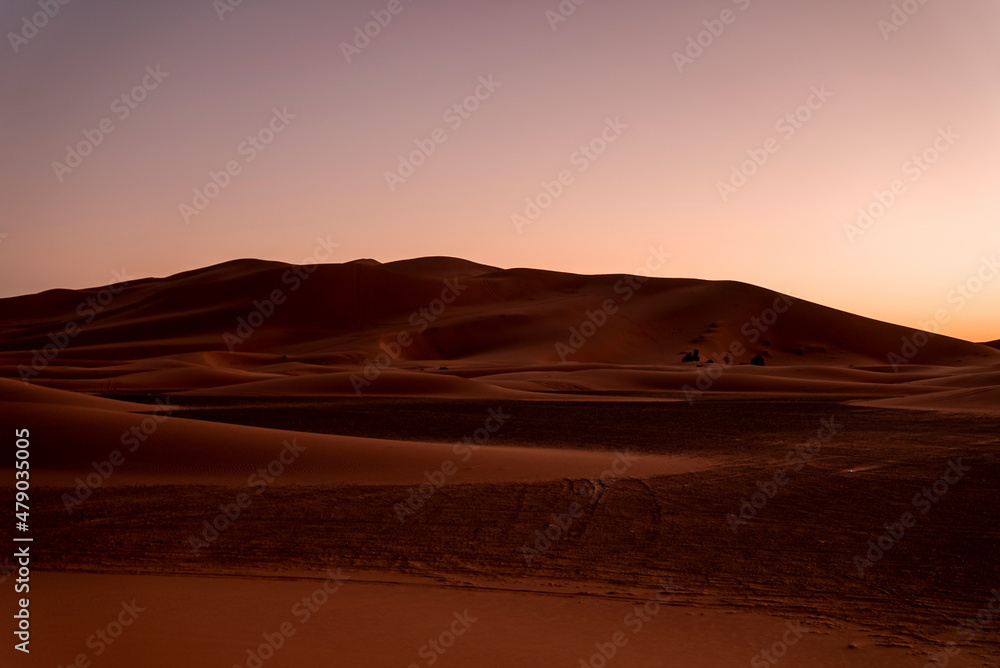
(656, 184)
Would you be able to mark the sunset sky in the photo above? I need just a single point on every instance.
(664, 132)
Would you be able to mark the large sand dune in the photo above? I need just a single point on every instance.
(353, 390)
(456, 310)
(449, 327)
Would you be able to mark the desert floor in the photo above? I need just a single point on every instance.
(656, 537)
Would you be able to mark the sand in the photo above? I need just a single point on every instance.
(421, 425)
(378, 624)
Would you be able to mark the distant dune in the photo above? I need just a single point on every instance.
(342, 313)
(446, 327)
(427, 425)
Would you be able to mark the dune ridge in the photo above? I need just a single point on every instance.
(448, 327)
(456, 310)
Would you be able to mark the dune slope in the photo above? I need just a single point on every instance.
(449, 309)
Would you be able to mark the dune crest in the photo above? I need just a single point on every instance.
(433, 309)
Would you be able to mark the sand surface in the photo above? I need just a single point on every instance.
(433, 482)
(381, 624)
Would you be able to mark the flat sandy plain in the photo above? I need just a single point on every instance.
(481, 501)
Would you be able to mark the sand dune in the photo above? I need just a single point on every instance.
(506, 627)
(445, 327)
(391, 382)
(160, 449)
(786, 380)
(341, 390)
(985, 400)
(456, 310)
(448, 327)
(16, 392)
